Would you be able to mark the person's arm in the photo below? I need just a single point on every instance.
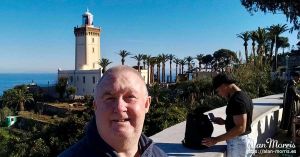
(240, 122)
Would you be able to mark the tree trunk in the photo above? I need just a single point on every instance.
(21, 106)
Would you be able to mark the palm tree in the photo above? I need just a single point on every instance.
(207, 59)
(152, 62)
(158, 61)
(138, 58)
(189, 59)
(253, 36)
(274, 32)
(176, 61)
(123, 54)
(18, 97)
(245, 36)
(261, 39)
(164, 59)
(148, 60)
(144, 58)
(282, 42)
(182, 63)
(199, 58)
(171, 57)
(104, 63)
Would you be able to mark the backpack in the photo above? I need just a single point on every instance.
(198, 126)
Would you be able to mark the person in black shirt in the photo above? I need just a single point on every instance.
(291, 104)
(238, 118)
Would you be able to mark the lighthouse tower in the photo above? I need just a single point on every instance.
(87, 44)
(87, 56)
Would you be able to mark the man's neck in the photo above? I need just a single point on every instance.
(232, 89)
(130, 153)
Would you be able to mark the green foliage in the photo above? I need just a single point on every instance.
(4, 112)
(254, 80)
(71, 91)
(61, 86)
(290, 8)
(88, 100)
(39, 149)
(17, 97)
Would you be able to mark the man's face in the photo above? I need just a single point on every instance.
(120, 106)
(220, 91)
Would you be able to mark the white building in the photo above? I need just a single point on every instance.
(87, 55)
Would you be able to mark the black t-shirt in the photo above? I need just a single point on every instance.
(239, 103)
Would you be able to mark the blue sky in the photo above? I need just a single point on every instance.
(37, 35)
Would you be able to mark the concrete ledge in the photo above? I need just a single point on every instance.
(266, 117)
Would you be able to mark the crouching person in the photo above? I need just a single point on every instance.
(121, 102)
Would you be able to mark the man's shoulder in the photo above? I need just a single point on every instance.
(158, 152)
(150, 148)
(77, 150)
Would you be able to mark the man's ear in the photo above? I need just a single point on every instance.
(147, 104)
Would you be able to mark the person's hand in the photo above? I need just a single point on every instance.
(219, 120)
(209, 141)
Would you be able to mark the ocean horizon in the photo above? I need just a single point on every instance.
(10, 80)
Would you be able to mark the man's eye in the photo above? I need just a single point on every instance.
(109, 98)
(130, 98)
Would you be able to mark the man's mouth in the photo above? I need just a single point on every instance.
(121, 120)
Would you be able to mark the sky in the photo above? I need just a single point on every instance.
(37, 35)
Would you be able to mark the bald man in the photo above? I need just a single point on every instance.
(121, 103)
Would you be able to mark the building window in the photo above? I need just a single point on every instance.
(94, 80)
(93, 90)
(71, 79)
(93, 40)
(83, 79)
(83, 89)
(93, 50)
(77, 78)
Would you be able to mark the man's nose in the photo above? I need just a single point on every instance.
(120, 105)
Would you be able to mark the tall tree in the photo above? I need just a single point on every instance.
(200, 60)
(189, 60)
(148, 60)
(207, 59)
(291, 9)
(152, 63)
(282, 42)
(223, 58)
(61, 86)
(123, 54)
(176, 61)
(171, 57)
(158, 61)
(104, 63)
(164, 59)
(253, 36)
(145, 57)
(245, 36)
(261, 38)
(138, 58)
(182, 63)
(274, 32)
(17, 98)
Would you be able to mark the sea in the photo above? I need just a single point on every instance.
(10, 80)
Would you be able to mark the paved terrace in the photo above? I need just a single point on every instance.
(266, 117)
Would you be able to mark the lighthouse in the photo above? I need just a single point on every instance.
(87, 56)
(87, 44)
